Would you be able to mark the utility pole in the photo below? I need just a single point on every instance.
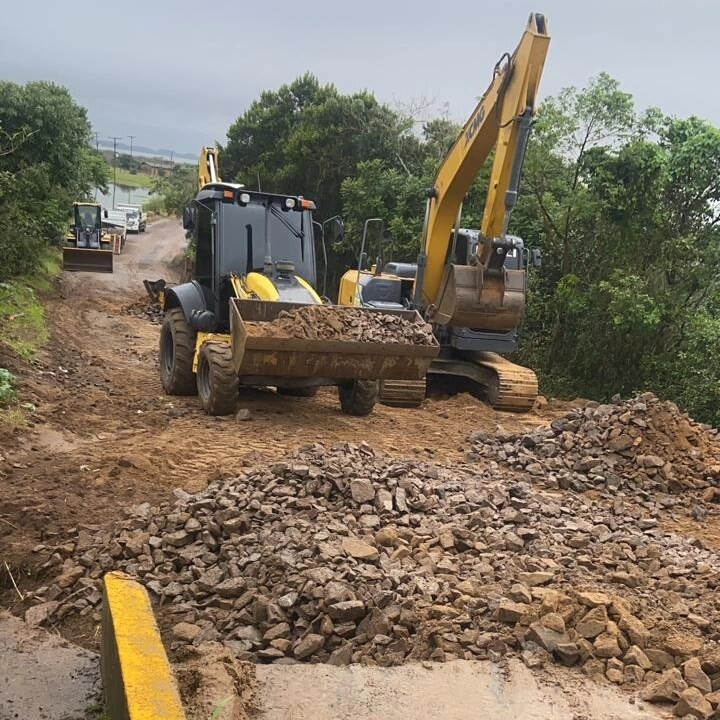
(114, 138)
(171, 159)
(97, 140)
(132, 137)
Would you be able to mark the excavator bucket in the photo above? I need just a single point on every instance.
(155, 289)
(260, 355)
(471, 297)
(87, 259)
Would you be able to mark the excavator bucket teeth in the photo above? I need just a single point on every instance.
(87, 260)
(257, 355)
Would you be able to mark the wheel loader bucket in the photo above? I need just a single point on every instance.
(87, 260)
(258, 355)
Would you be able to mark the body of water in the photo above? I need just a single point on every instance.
(131, 196)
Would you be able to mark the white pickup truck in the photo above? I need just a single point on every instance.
(136, 218)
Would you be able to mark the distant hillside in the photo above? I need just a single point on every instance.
(141, 150)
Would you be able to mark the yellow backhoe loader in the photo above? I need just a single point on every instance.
(255, 257)
(88, 247)
(471, 285)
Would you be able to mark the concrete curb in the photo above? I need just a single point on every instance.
(137, 678)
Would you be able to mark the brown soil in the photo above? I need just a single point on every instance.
(106, 437)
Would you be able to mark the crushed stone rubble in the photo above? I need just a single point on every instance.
(549, 545)
(328, 322)
(146, 310)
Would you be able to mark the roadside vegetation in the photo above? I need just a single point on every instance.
(46, 163)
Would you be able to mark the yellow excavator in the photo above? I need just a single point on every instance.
(255, 257)
(471, 285)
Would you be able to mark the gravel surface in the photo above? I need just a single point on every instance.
(548, 546)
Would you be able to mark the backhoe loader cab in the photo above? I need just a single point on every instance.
(263, 238)
(254, 259)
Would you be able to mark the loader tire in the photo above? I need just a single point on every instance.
(217, 382)
(298, 391)
(358, 397)
(177, 349)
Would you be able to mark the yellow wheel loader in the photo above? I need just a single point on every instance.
(88, 247)
(471, 285)
(255, 257)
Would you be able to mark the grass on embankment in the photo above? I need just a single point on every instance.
(128, 179)
(23, 327)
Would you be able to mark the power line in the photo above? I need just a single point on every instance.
(114, 138)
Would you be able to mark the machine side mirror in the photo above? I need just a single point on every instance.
(363, 261)
(105, 213)
(321, 234)
(536, 257)
(334, 229)
(188, 218)
(338, 229)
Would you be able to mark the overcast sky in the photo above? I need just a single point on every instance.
(176, 73)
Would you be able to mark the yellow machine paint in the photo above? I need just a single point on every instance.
(204, 337)
(481, 295)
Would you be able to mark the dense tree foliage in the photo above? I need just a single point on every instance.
(624, 207)
(45, 164)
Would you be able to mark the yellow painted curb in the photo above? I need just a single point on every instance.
(137, 678)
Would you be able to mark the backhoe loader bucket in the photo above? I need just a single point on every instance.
(470, 297)
(262, 357)
(87, 259)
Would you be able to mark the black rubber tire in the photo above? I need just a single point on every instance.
(217, 382)
(177, 349)
(298, 392)
(358, 397)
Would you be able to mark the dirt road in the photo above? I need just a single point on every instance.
(105, 436)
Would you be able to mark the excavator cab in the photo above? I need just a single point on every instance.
(83, 250)
(379, 283)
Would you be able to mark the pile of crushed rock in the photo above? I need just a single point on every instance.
(550, 545)
(331, 322)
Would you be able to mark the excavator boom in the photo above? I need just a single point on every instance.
(482, 294)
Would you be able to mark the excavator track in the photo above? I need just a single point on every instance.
(509, 386)
(402, 393)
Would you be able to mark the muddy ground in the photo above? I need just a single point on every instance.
(105, 436)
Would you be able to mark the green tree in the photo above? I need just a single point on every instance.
(625, 211)
(307, 138)
(177, 189)
(45, 164)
